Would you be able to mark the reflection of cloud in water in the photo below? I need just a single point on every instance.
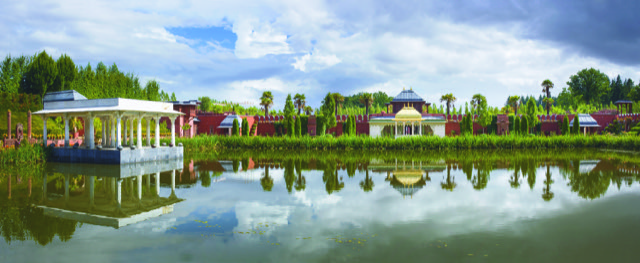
(252, 215)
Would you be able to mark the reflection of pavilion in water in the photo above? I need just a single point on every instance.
(109, 195)
(407, 177)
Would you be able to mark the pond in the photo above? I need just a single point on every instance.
(273, 206)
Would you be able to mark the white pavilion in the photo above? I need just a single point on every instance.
(407, 122)
(113, 113)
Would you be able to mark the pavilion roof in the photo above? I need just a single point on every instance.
(623, 102)
(407, 96)
(585, 121)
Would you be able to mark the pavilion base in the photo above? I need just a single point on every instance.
(113, 156)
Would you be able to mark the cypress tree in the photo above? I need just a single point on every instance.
(234, 129)
(298, 127)
(290, 126)
(354, 126)
(516, 125)
(576, 125)
(245, 127)
(564, 128)
(524, 125)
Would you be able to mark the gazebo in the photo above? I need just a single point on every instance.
(627, 104)
(587, 123)
(112, 114)
(407, 122)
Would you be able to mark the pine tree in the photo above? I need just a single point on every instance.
(576, 125)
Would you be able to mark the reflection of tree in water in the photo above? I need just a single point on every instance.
(531, 172)
(245, 164)
(351, 168)
(449, 184)
(330, 177)
(266, 181)
(514, 180)
(205, 178)
(20, 221)
(301, 181)
(236, 165)
(367, 184)
(547, 195)
(467, 167)
(289, 174)
(589, 185)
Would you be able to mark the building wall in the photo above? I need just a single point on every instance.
(209, 123)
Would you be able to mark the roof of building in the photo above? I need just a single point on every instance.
(408, 113)
(585, 121)
(72, 102)
(186, 102)
(623, 102)
(227, 123)
(407, 96)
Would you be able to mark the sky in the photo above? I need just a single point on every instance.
(235, 50)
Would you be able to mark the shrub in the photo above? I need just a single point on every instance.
(234, 128)
(516, 126)
(576, 125)
(245, 127)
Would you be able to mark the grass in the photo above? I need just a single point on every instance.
(26, 154)
(208, 143)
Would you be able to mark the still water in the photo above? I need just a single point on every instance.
(507, 206)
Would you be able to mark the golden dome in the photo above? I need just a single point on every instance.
(408, 177)
(408, 113)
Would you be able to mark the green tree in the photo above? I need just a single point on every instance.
(300, 101)
(484, 114)
(298, 127)
(66, 73)
(206, 104)
(266, 101)
(367, 100)
(173, 97)
(576, 125)
(514, 102)
(338, 99)
(308, 110)
(41, 74)
(152, 91)
(449, 101)
(590, 83)
(565, 125)
(245, 127)
(524, 125)
(532, 118)
(234, 129)
(329, 112)
(516, 125)
(547, 85)
(12, 71)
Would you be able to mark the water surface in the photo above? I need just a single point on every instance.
(469, 206)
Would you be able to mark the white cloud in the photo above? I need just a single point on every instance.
(314, 61)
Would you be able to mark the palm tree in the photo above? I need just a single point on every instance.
(308, 110)
(266, 101)
(367, 100)
(338, 99)
(547, 195)
(299, 100)
(514, 101)
(367, 185)
(448, 99)
(476, 101)
(547, 85)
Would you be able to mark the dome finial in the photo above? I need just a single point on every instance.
(403, 88)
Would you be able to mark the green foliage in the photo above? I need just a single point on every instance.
(299, 101)
(329, 111)
(289, 122)
(516, 125)
(12, 72)
(26, 154)
(206, 104)
(449, 101)
(41, 74)
(615, 127)
(266, 100)
(320, 126)
(304, 125)
(590, 84)
(565, 125)
(66, 73)
(524, 125)
(288, 107)
(298, 127)
(576, 125)
(484, 141)
(245, 127)
(532, 116)
(234, 128)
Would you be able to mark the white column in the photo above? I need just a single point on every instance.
(139, 142)
(173, 131)
(118, 130)
(139, 187)
(124, 135)
(44, 130)
(158, 184)
(131, 132)
(413, 128)
(421, 128)
(112, 139)
(91, 138)
(149, 132)
(157, 142)
(66, 130)
(119, 192)
(104, 134)
(395, 134)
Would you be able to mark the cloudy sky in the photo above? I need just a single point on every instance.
(234, 50)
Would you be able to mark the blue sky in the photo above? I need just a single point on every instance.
(235, 50)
